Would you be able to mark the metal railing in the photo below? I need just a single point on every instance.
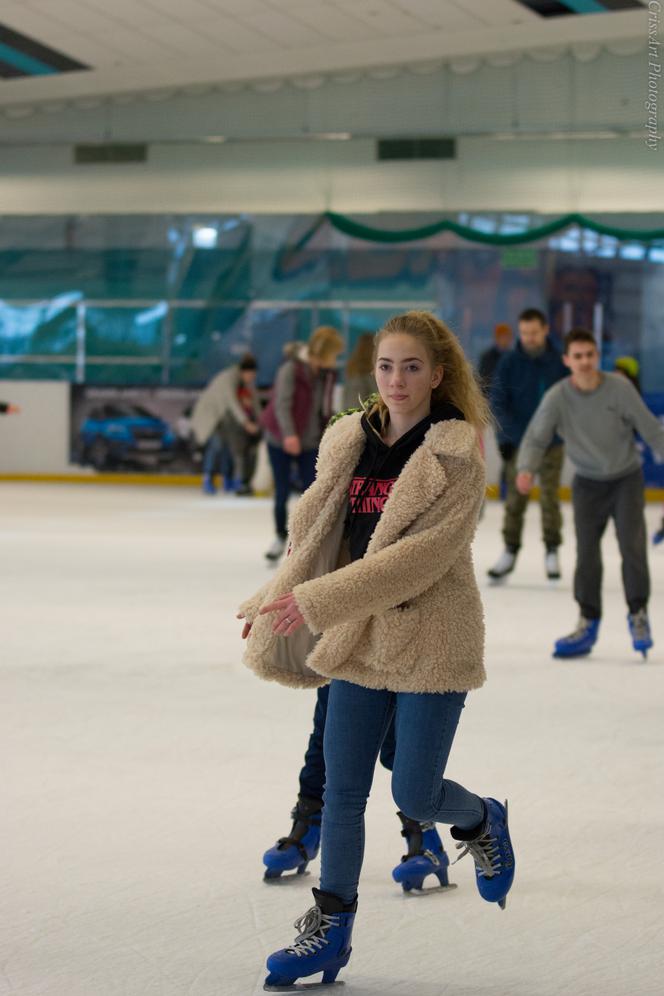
(81, 358)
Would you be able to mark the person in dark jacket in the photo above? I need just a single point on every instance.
(522, 377)
(491, 357)
(8, 409)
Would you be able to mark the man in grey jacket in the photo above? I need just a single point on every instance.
(597, 415)
(227, 412)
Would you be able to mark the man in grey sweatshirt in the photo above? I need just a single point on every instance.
(597, 415)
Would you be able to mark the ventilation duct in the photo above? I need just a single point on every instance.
(415, 148)
(110, 152)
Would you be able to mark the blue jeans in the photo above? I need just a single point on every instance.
(357, 721)
(217, 457)
(312, 775)
(282, 464)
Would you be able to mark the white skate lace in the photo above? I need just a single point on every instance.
(580, 630)
(485, 854)
(311, 926)
(640, 625)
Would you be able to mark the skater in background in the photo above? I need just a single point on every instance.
(294, 420)
(658, 536)
(628, 366)
(597, 415)
(486, 369)
(226, 417)
(491, 357)
(520, 381)
(379, 594)
(6, 408)
(359, 382)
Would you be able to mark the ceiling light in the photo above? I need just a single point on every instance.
(204, 236)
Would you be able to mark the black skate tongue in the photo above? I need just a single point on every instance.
(412, 831)
(308, 807)
(330, 904)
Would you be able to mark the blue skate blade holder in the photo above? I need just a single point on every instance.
(262, 985)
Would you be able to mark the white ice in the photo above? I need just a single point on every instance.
(146, 770)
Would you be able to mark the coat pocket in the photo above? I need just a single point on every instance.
(395, 632)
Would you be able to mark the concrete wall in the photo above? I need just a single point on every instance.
(36, 441)
(309, 176)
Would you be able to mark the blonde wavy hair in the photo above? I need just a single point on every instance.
(361, 360)
(459, 385)
(325, 344)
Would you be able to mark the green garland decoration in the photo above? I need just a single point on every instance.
(370, 234)
(369, 402)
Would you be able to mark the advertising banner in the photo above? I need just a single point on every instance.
(134, 428)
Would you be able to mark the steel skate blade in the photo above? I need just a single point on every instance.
(431, 890)
(503, 903)
(286, 878)
(300, 987)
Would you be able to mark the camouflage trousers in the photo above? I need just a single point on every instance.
(516, 504)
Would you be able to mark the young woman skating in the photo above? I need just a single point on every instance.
(378, 596)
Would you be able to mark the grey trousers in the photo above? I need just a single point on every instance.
(243, 447)
(595, 502)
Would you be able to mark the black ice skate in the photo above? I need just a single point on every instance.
(294, 852)
(426, 856)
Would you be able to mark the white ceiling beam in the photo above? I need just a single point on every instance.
(330, 58)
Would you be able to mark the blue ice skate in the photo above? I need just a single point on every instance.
(491, 849)
(322, 945)
(293, 853)
(639, 628)
(208, 487)
(658, 537)
(426, 856)
(580, 642)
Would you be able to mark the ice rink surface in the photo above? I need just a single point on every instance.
(145, 771)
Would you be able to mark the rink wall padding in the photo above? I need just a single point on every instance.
(36, 445)
(37, 439)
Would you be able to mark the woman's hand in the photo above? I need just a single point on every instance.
(246, 629)
(292, 445)
(288, 618)
(524, 482)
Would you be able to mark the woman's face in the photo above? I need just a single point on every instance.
(405, 375)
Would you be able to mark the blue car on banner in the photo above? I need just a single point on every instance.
(117, 433)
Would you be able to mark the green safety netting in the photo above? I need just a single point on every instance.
(371, 234)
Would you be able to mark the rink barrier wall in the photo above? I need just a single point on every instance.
(194, 481)
(149, 480)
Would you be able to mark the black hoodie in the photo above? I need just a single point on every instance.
(377, 471)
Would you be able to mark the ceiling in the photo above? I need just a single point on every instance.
(135, 47)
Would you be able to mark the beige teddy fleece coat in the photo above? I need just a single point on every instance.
(407, 616)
